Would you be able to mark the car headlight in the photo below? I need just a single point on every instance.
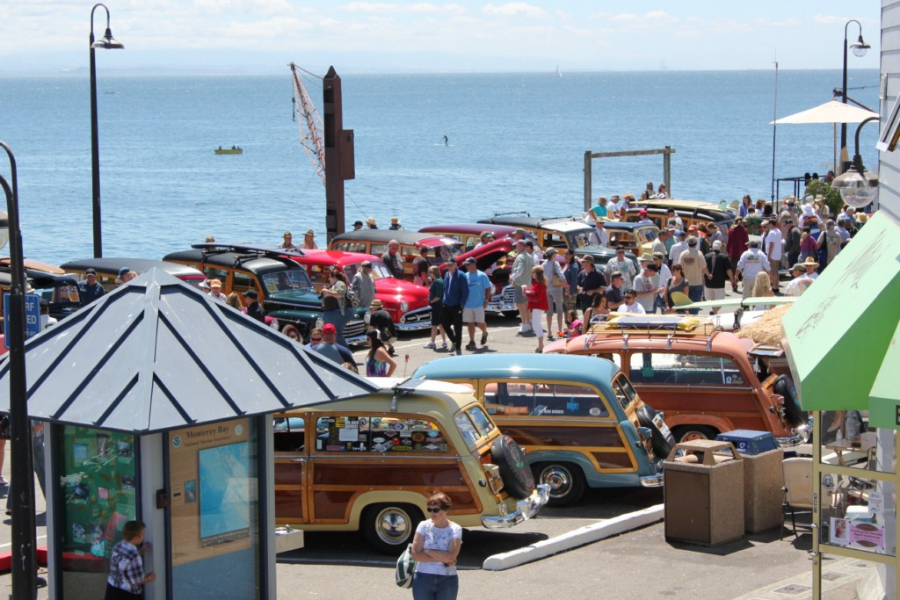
(320, 323)
(404, 306)
(367, 317)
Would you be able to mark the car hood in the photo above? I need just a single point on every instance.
(407, 290)
(488, 254)
(299, 297)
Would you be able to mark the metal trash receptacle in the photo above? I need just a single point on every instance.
(704, 492)
(763, 478)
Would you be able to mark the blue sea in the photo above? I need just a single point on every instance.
(516, 143)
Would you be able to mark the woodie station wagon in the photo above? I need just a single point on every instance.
(371, 463)
(579, 419)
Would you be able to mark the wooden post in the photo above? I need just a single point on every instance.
(587, 181)
(667, 171)
(339, 156)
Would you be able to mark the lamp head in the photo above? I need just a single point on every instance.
(858, 187)
(108, 42)
(859, 47)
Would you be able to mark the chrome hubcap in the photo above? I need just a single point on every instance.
(393, 525)
(559, 480)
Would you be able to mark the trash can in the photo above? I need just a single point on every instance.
(704, 493)
(763, 477)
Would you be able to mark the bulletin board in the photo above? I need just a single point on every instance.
(212, 483)
(98, 489)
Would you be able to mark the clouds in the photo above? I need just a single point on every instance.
(453, 35)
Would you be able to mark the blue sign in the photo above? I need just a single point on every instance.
(32, 317)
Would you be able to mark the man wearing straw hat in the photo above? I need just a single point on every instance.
(799, 283)
(811, 265)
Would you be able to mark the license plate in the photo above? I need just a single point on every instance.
(661, 425)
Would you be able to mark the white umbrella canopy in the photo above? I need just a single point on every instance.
(830, 112)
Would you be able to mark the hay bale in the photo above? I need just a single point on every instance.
(767, 329)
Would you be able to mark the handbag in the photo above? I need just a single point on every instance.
(406, 569)
(557, 280)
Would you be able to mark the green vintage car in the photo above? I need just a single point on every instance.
(285, 290)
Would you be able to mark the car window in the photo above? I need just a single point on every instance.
(350, 271)
(395, 435)
(543, 399)
(215, 273)
(289, 279)
(288, 433)
(242, 282)
(579, 239)
(684, 369)
(378, 249)
(318, 275)
(619, 237)
(625, 393)
(647, 235)
(467, 429)
(379, 270)
(482, 422)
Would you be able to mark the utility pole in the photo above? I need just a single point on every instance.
(339, 155)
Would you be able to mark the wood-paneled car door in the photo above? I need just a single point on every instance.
(291, 470)
(553, 416)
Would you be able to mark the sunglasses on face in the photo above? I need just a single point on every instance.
(434, 509)
(318, 339)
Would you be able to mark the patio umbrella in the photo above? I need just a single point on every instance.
(830, 112)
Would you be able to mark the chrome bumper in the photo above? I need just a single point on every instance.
(503, 302)
(652, 481)
(418, 326)
(525, 509)
(789, 442)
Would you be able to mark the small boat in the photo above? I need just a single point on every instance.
(232, 150)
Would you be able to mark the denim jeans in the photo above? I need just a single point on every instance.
(695, 293)
(339, 321)
(435, 587)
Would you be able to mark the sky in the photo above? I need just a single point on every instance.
(261, 36)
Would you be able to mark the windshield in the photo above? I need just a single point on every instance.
(579, 239)
(289, 279)
(647, 234)
(379, 270)
(442, 254)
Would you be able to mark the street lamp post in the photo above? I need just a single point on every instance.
(859, 48)
(858, 187)
(24, 578)
(109, 43)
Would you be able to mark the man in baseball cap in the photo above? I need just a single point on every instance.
(330, 348)
(720, 270)
(90, 289)
(254, 308)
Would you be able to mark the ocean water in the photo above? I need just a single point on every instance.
(517, 142)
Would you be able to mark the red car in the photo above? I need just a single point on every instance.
(407, 302)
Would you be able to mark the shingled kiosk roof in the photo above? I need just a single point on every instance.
(157, 354)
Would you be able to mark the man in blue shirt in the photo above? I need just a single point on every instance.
(90, 289)
(456, 292)
(480, 289)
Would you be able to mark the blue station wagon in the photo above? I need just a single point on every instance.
(581, 421)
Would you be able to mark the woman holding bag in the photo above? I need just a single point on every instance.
(435, 549)
(556, 285)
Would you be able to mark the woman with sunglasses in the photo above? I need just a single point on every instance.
(435, 548)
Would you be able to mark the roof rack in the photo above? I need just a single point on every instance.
(219, 247)
(675, 327)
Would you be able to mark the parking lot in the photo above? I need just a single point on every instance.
(637, 564)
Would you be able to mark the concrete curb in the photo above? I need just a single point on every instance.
(579, 537)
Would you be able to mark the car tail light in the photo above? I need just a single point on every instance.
(492, 472)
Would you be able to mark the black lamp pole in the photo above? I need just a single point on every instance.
(24, 578)
(109, 43)
(859, 48)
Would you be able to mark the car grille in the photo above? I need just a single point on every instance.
(420, 315)
(509, 294)
(354, 328)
